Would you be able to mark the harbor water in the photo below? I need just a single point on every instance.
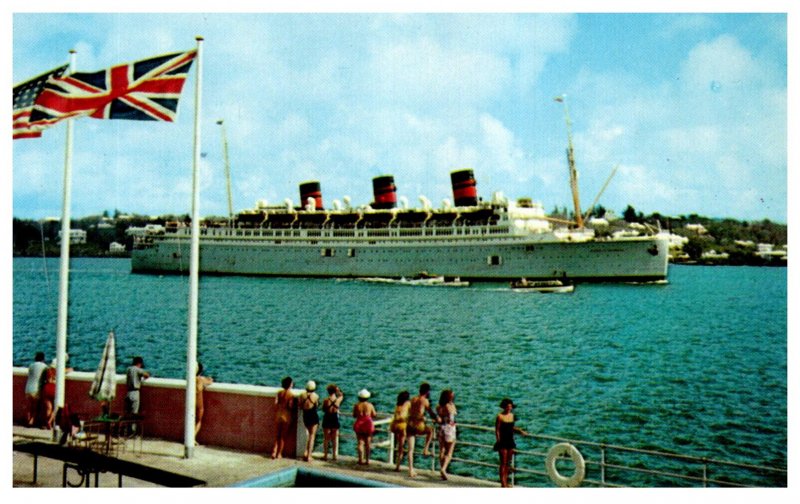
(696, 366)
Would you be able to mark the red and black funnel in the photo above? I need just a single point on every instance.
(465, 191)
(311, 190)
(385, 192)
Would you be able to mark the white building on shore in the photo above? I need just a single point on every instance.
(76, 236)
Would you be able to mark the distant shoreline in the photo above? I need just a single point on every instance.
(688, 262)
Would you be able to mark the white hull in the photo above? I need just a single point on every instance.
(489, 255)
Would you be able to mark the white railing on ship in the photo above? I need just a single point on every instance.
(349, 233)
(597, 461)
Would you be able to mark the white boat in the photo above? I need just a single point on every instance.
(543, 286)
(422, 280)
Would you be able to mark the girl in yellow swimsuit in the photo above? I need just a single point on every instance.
(399, 423)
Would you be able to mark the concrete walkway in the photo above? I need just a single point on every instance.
(220, 467)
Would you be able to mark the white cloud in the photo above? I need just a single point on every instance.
(722, 63)
(713, 141)
(502, 152)
(424, 72)
(640, 184)
(703, 139)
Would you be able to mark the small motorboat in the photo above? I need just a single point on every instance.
(543, 286)
(422, 279)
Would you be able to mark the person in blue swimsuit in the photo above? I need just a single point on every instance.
(309, 402)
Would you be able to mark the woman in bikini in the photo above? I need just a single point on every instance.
(364, 413)
(201, 382)
(399, 423)
(285, 403)
(504, 430)
(309, 402)
(447, 430)
(330, 420)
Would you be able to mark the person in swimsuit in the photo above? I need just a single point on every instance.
(49, 391)
(364, 413)
(330, 420)
(504, 429)
(285, 403)
(309, 402)
(33, 388)
(447, 430)
(201, 382)
(417, 426)
(49, 394)
(399, 424)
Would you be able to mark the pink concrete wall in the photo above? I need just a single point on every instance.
(241, 417)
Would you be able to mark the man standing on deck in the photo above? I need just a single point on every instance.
(417, 426)
(33, 387)
(133, 379)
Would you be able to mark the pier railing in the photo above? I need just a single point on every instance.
(604, 465)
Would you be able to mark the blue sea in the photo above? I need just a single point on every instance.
(696, 366)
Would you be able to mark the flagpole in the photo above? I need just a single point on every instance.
(63, 282)
(194, 269)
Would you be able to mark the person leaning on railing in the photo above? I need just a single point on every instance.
(504, 445)
(330, 420)
(133, 379)
(446, 410)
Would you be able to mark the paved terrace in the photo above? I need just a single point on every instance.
(220, 467)
(236, 439)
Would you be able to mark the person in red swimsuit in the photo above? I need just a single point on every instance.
(49, 391)
(364, 413)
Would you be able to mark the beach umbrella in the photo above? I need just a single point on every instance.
(104, 385)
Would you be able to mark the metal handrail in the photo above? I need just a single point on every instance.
(601, 466)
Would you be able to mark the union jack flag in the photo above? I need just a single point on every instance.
(146, 90)
(25, 96)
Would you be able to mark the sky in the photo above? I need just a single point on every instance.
(691, 107)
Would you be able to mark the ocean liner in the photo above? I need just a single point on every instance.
(469, 238)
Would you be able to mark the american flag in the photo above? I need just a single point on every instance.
(146, 90)
(25, 95)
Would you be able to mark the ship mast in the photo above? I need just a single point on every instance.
(227, 172)
(573, 173)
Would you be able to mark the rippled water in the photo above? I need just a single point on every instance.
(697, 366)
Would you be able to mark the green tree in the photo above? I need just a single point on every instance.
(630, 214)
(695, 247)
